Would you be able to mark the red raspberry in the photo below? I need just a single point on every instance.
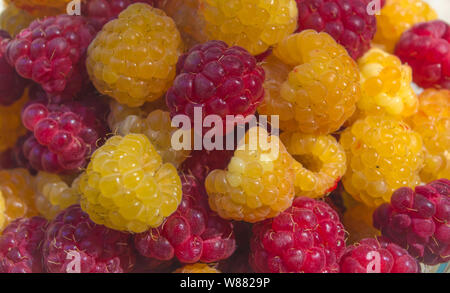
(347, 21)
(12, 85)
(64, 135)
(193, 233)
(218, 79)
(362, 257)
(426, 48)
(100, 12)
(20, 246)
(52, 52)
(101, 250)
(308, 237)
(418, 221)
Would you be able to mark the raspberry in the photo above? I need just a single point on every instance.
(383, 154)
(258, 182)
(72, 235)
(238, 261)
(158, 129)
(13, 19)
(308, 237)
(197, 268)
(133, 57)
(319, 93)
(186, 16)
(51, 52)
(11, 127)
(419, 221)
(2, 211)
(127, 186)
(201, 163)
(102, 11)
(193, 233)
(218, 80)
(20, 246)
(398, 16)
(64, 135)
(53, 194)
(386, 85)
(35, 6)
(346, 21)
(254, 25)
(320, 162)
(426, 48)
(432, 122)
(363, 256)
(16, 187)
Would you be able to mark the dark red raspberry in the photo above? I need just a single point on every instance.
(347, 21)
(72, 235)
(100, 12)
(418, 221)
(12, 85)
(193, 233)
(217, 79)
(64, 135)
(20, 246)
(426, 48)
(52, 52)
(238, 261)
(372, 255)
(308, 237)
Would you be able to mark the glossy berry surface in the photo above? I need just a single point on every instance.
(197, 268)
(253, 25)
(52, 52)
(316, 86)
(133, 57)
(426, 48)
(417, 220)
(20, 246)
(72, 235)
(346, 21)
(371, 255)
(128, 187)
(383, 154)
(216, 79)
(193, 233)
(308, 237)
(201, 163)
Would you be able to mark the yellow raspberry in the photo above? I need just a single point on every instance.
(383, 154)
(319, 162)
(13, 19)
(53, 194)
(255, 25)
(133, 58)
(398, 16)
(357, 220)
(16, 186)
(158, 129)
(41, 8)
(128, 187)
(258, 182)
(196, 268)
(385, 85)
(319, 93)
(11, 127)
(432, 122)
(2, 211)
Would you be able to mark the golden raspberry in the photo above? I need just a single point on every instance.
(432, 122)
(2, 211)
(158, 129)
(11, 127)
(319, 162)
(385, 85)
(41, 8)
(319, 93)
(398, 16)
(383, 154)
(16, 186)
(196, 268)
(128, 187)
(133, 58)
(254, 25)
(13, 19)
(54, 194)
(258, 182)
